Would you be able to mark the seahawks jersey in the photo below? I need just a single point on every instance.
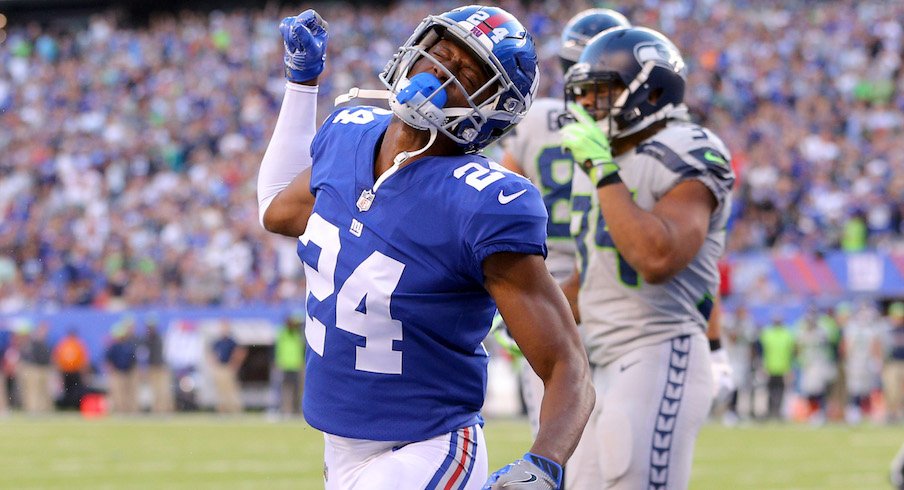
(396, 307)
(619, 311)
(536, 145)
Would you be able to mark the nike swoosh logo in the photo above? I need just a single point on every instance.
(503, 199)
(622, 368)
(714, 157)
(532, 478)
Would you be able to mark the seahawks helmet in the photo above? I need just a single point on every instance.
(505, 49)
(642, 71)
(581, 28)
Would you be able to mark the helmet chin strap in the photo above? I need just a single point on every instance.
(362, 93)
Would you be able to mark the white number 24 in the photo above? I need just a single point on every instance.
(373, 281)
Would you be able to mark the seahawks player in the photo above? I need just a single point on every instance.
(410, 241)
(649, 250)
(534, 150)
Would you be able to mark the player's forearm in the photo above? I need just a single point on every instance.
(289, 151)
(643, 239)
(538, 318)
(567, 402)
(561, 362)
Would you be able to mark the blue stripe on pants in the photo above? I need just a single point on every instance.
(443, 468)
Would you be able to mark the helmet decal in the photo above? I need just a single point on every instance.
(660, 54)
(501, 44)
(646, 67)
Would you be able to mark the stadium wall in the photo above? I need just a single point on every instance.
(768, 283)
(251, 326)
(786, 284)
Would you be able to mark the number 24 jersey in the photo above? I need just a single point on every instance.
(396, 307)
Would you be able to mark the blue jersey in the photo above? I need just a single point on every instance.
(396, 307)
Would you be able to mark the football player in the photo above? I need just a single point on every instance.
(534, 149)
(410, 240)
(649, 252)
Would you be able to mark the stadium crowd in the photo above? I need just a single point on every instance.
(130, 153)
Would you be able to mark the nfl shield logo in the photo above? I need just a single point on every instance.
(365, 200)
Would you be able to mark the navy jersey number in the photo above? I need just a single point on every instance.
(582, 205)
(555, 169)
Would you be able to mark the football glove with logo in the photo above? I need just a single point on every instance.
(530, 472)
(588, 145)
(305, 38)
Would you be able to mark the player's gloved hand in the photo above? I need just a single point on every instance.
(723, 376)
(304, 37)
(532, 471)
(588, 145)
(500, 333)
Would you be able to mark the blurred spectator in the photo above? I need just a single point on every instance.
(5, 401)
(853, 238)
(226, 359)
(130, 153)
(72, 361)
(159, 377)
(11, 363)
(289, 359)
(35, 371)
(4, 389)
(777, 345)
(122, 371)
(183, 350)
(893, 368)
(817, 368)
(833, 324)
(861, 352)
(183, 347)
(740, 334)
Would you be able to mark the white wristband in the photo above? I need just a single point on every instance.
(289, 151)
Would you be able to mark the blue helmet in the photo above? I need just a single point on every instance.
(642, 67)
(581, 28)
(495, 38)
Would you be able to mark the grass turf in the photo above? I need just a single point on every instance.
(207, 452)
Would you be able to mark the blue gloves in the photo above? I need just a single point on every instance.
(304, 37)
(531, 472)
(588, 145)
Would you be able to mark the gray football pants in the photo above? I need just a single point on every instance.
(650, 405)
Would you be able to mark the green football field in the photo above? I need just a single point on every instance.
(207, 452)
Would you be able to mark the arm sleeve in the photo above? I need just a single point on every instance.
(289, 151)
